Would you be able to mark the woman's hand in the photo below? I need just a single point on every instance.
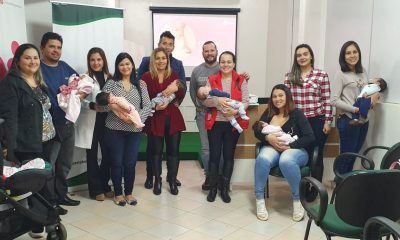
(161, 106)
(375, 99)
(276, 143)
(229, 112)
(327, 128)
(172, 88)
(223, 102)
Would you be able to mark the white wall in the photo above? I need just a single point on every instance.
(252, 32)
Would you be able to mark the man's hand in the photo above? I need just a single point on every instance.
(245, 75)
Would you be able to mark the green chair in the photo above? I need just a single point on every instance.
(305, 171)
(360, 196)
(392, 154)
(375, 225)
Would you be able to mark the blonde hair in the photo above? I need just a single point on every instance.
(153, 68)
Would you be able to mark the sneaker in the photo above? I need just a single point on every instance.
(298, 211)
(262, 212)
(101, 197)
(37, 232)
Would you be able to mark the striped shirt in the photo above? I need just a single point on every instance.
(132, 96)
(312, 97)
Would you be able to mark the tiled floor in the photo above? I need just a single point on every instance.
(187, 215)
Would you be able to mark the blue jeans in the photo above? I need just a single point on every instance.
(289, 162)
(351, 140)
(123, 148)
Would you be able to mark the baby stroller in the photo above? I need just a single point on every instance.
(22, 208)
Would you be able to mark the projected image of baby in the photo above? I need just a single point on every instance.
(185, 41)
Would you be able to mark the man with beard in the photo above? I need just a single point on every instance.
(199, 79)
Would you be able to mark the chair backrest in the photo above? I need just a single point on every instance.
(374, 225)
(392, 155)
(366, 194)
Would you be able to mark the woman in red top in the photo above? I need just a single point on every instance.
(167, 121)
(222, 136)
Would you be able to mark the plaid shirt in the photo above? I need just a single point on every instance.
(313, 96)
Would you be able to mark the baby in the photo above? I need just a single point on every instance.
(161, 99)
(68, 98)
(277, 131)
(363, 101)
(206, 92)
(36, 163)
(121, 107)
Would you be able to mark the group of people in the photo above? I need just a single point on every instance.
(302, 107)
(119, 107)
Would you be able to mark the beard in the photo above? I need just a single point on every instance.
(210, 61)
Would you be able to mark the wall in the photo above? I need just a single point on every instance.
(252, 34)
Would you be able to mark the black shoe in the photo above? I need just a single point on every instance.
(60, 210)
(225, 195)
(206, 185)
(212, 194)
(157, 186)
(148, 184)
(68, 201)
(173, 187)
(178, 183)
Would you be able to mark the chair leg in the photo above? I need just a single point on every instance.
(308, 229)
(333, 196)
(328, 237)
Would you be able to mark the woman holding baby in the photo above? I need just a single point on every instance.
(274, 152)
(121, 136)
(311, 91)
(167, 121)
(90, 126)
(222, 136)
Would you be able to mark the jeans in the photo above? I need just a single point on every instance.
(60, 152)
(123, 149)
(351, 140)
(289, 162)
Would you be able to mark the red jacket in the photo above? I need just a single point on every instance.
(236, 94)
(155, 125)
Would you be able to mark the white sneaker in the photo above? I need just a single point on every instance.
(298, 211)
(262, 212)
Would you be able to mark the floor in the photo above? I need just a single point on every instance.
(187, 215)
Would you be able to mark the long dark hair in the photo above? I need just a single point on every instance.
(295, 74)
(103, 57)
(237, 81)
(289, 104)
(118, 76)
(17, 57)
(342, 61)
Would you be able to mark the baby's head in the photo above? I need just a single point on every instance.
(203, 92)
(103, 98)
(381, 82)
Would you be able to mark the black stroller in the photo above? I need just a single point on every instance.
(21, 206)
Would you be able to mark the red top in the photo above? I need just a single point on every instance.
(155, 125)
(236, 94)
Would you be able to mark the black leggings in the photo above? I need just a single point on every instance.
(222, 138)
(157, 146)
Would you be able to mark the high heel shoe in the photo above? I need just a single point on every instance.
(157, 186)
(173, 186)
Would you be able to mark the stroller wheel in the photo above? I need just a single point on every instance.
(59, 234)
